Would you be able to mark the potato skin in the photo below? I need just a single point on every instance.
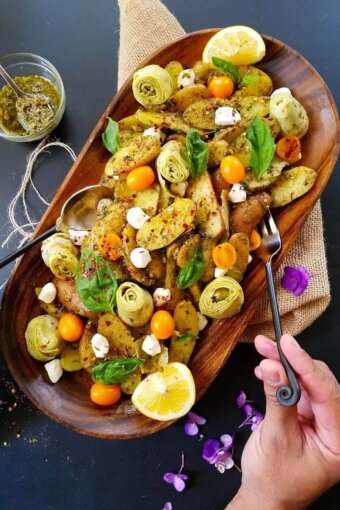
(291, 185)
(189, 95)
(68, 296)
(138, 152)
(246, 215)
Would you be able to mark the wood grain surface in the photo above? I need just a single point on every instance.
(68, 401)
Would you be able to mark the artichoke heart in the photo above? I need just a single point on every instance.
(152, 85)
(60, 255)
(134, 304)
(42, 338)
(171, 166)
(221, 298)
(290, 114)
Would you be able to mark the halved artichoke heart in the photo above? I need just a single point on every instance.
(221, 298)
(152, 85)
(171, 166)
(134, 304)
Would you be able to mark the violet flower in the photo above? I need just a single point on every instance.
(254, 417)
(295, 279)
(177, 480)
(167, 506)
(219, 455)
(191, 425)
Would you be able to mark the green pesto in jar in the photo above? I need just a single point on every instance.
(31, 84)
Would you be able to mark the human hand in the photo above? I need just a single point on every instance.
(294, 455)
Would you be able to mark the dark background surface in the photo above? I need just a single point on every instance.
(48, 466)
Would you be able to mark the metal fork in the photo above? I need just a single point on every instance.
(271, 244)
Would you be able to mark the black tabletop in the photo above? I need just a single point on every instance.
(43, 465)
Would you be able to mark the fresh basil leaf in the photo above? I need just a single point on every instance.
(110, 136)
(247, 80)
(192, 271)
(198, 153)
(227, 68)
(96, 283)
(115, 371)
(185, 338)
(262, 146)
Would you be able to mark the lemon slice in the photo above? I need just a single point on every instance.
(166, 395)
(240, 45)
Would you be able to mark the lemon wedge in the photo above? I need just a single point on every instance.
(240, 45)
(167, 394)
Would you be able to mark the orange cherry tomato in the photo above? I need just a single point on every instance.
(162, 324)
(109, 246)
(255, 240)
(232, 169)
(224, 256)
(104, 395)
(140, 178)
(289, 148)
(221, 86)
(70, 327)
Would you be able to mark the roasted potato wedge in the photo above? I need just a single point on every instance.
(113, 221)
(152, 363)
(200, 70)
(195, 292)
(143, 276)
(187, 249)
(225, 209)
(70, 357)
(253, 183)
(129, 123)
(217, 150)
(118, 334)
(68, 296)
(148, 200)
(189, 95)
(219, 184)
(126, 136)
(86, 355)
(240, 242)
(291, 185)
(246, 215)
(55, 308)
(140, 151)
(171, 121)
(129, 386)
(174, 68)
(165, 227)
(230, 133)
(263, 86)
(186, 323)
(208, 246)
(170, 277)
(208, 215)
(201, 115)
(250, 106)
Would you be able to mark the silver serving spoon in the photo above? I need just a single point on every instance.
(78, 213)
(27, 103)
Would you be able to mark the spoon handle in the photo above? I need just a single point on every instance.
(10, 82)
(12, 256)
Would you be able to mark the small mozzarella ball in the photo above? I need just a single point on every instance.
(237, 194)
(202, 321)
(136, 217)
(77, 236)
(219, 272)
(100, 345)
(103, 206)
(227, 116)
(186, 78)
(140, 257)
(282, 90)
(250, 258)
(153, 131)
(48, 293)
(151, 345)
(161, 296)
(54, 370)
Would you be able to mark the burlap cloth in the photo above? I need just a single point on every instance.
(145, 25)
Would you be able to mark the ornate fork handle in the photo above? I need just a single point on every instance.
(286, 395)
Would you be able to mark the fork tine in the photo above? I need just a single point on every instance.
(271, 222)
(264, 228)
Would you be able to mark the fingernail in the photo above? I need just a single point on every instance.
(292, 342)
(271, 377)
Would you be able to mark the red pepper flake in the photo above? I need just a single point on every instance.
(185, 226)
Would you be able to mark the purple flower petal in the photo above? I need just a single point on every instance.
(248, 409)
(295, 279)
(167, 506)
(191, 428)
(179, 483)
(227, 441)
(209, 450)
(195, 418)
(241, 399)
(169, 477)
(182, 476)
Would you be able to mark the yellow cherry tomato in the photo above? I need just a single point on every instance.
(255, 240)
(104, 395)
(162, 324)
(221, 86)
(109, 246)
(70, 327)
(232, 169)
(289, 148)
(140, 178)
(224, 256)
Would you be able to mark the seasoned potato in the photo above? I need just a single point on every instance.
(200, 70)
(129, 386)
(208, 215)
(174, 68)
(152, 363)
(250, 106)
(263, 86)
(230, 133)
(292, 184)
(274, 171)
(189, 95)
(186, 323)
(246, 215)
(143, 276)
(86, 355)
(113, 221)
(129, 123)
(187, 249)
(68, 296)
(201, 115)
(70, 358)
(171, 121)
(195, 292)
(273, 125)
(165, 199)
(126, 136)
(148, 200)
(140, 151)
(225, 212)
(55, 309)
(241, 149)
(217, 150)
(118, 334)
(219, 184)
(165, 227)
(240, 242)
(170, 277)
(208, 246)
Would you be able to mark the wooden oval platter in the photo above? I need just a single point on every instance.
(68, 401)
